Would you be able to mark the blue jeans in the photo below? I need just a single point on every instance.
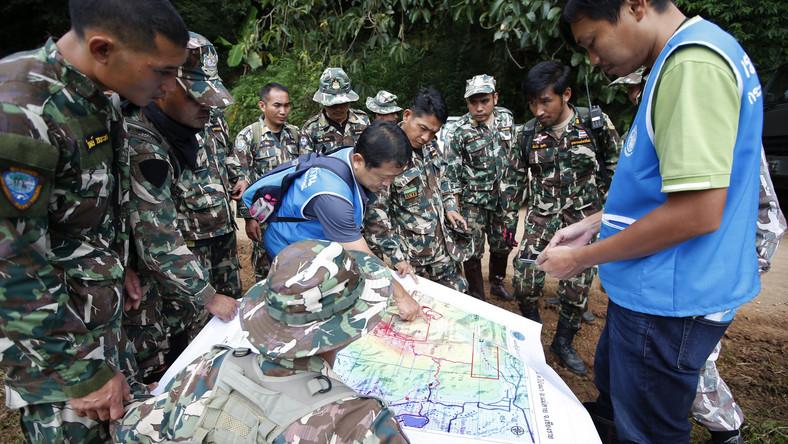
(647, 370)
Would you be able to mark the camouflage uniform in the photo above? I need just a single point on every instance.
(320, 134)
(383, 103)
(408, 221)
(478, 157)
(565, 187)
(259, 148)
(211, 399)
(60, 298)
(169, 273)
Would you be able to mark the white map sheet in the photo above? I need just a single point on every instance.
(468, 372)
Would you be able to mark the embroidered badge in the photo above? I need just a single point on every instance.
(629, 145)
(210, 62)
(581, 133)
(303, 142)
(411, 193)
(97, 139)
(21, 187)
(581, 141)
(335, 84)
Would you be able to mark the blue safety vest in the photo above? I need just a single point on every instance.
(313, 183)
(710, 273)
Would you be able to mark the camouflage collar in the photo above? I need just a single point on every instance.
(352, 118)
(75, 81)
(266, 129)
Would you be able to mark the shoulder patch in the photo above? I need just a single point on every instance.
(96, 139)
(22, 187)
(154, 171)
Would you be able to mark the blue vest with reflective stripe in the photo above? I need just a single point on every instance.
(709, 273)
(314, 182)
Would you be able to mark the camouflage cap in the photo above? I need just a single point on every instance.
(199, 76)
(318, 297)
(481, 84)
(334, 88)
(384, 102)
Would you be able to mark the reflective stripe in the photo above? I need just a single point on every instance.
(687, 186)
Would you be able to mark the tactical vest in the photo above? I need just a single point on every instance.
(245, 405)
(709, 273)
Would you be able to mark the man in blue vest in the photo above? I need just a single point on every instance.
(320, 204)
(677, 230)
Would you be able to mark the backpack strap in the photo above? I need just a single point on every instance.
(248, 406)
(595, 136)
(527, 139)
(315, 160)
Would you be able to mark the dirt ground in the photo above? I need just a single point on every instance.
(754, 358)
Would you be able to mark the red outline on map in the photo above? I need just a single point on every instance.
(497, 362)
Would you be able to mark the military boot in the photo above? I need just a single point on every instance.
(562, 347)
(498, 263)
(588, 317)
(473, 273)
(530, 311)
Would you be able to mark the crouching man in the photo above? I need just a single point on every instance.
(317, 299)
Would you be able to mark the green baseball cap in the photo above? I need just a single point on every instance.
(199, 76)
(384, 102)
(335, 88)
(317, 298)
(481, 84)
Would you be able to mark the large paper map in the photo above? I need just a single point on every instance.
(450, 372)
(468, 372)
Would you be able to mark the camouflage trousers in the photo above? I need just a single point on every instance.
(260, 261)
(58, 423)
(481, 222)
(528, 281)
(219, 257)
(714, 406)
(445, 271)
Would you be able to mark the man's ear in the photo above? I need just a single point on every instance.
(567, 94)
(406, 115)
(358, 160)
(261, 105)
(495, 99)
(101, 47)
(637, 8)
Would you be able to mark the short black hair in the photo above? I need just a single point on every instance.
(266, 89)
(607, 10)
(429, 102)
(544, 75)
(382, 142)
(135, 23)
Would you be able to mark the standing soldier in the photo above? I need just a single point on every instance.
(202, 194)
(571, 165)
(62, 161)
(384, 106)
(337, 124)
(410, 222)
(262, 146)
(161, 136)
(479, 155)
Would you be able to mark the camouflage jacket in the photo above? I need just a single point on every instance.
(407, 221)
(318, 135)
(478, 156)
(173, 416)
(260, 151)
(564, 171)
(161, 252)
(202, 195)
(59, 139)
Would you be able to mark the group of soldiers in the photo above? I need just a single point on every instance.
(437, 216)
(118, 227)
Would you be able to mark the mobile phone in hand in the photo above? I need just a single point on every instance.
(528, 257)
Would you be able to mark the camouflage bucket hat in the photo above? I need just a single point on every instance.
(384, 102)
(318, 297)
(334, 88)
(481, 84)
(199, 76)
